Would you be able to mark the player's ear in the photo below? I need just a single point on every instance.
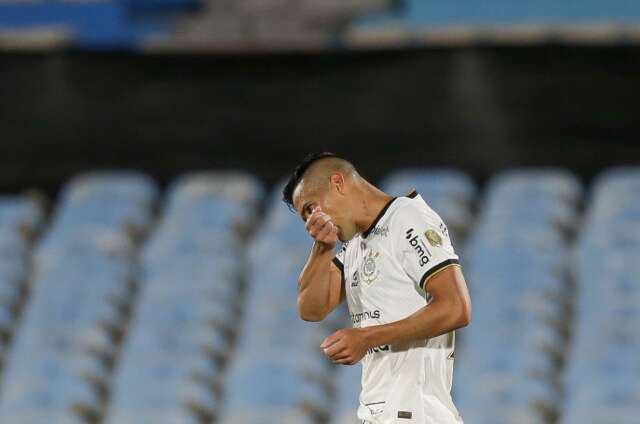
(337, 182)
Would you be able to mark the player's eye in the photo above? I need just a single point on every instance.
(305, 213)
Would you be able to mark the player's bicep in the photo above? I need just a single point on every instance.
(448, 285)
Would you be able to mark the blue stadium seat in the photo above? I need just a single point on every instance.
(18, 212)
(192, 266)
(82, 287)
(449, 192)
(606, 341)
(517, 262)
(281, 385)
(190, 356)
(347, 396)
(268, 416)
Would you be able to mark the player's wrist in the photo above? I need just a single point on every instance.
(368, 334)
(320, 247)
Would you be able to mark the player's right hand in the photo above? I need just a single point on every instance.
(321, 228)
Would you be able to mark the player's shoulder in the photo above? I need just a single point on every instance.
(412, 207)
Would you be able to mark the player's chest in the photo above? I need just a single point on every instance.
(366, 265)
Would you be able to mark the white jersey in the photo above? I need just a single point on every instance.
(385, 270)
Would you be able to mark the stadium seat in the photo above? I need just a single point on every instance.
(115, 315)
(191, 272)
(347, 396)
(517, 265)
(21, 221)
(298, 384)
(451, 193)
(81, 292)
(606, 340)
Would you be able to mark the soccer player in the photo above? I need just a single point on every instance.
(402, 281)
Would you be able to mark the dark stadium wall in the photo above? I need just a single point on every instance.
(482, 109)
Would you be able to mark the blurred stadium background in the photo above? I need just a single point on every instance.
(148, 266)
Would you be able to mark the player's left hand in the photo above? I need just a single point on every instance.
(346, 346)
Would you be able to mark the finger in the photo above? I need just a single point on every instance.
(333, 236)
(331, 339)
(311, 220)
(337, 349)
(317, 229)
(346, 361)
(329, 234)
(344, 354)
(316, 218)
(325, 233)
(321, 220)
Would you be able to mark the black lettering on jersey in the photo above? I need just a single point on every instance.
(378, 349)
(419, 247)
(380, 231)
(363, 316)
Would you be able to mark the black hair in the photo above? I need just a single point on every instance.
(298, 173)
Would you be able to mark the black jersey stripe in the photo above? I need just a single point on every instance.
(378, 218)
(437, 268)
(412, 194)
(339, 264)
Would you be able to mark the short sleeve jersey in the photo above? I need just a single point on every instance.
(386, 270)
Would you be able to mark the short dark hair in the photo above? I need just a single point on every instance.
(298, 173)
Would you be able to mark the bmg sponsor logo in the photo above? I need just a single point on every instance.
(419, 246)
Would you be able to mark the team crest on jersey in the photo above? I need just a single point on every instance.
(433, 237)
(370, 269)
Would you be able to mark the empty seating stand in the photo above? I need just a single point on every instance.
(449, 192)
(58, 368)
(516, 264)
(125, 309)
(278, 373)
(437, 21)
(21, 219)
(131, 24)
(602, 375)
(193, 268)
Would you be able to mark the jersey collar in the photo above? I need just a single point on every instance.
(413, 193)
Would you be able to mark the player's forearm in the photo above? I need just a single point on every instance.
(314, 284)
(440, 317)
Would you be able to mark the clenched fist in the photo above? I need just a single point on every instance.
(321, 228)
(346, 346)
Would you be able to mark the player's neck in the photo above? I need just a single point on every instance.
(372, 203)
